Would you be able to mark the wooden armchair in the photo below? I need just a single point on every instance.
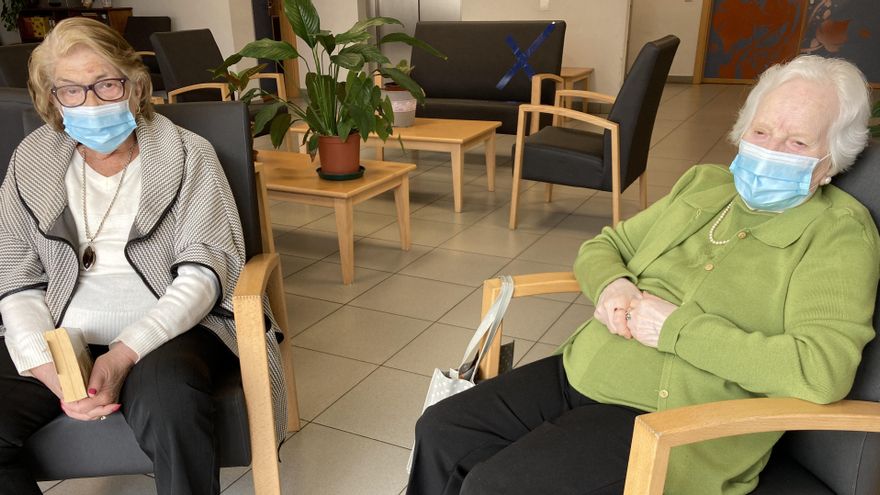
(828, 449)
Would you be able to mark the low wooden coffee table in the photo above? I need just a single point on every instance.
(449, 135)
(291, 177)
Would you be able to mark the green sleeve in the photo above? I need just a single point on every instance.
(827, 316)
(603, 259)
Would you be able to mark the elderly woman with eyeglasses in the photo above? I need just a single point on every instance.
(754, 280)
(116, 222)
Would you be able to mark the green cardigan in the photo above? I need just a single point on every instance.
(782, 310)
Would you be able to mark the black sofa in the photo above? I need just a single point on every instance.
(479, 55)
(18, 119)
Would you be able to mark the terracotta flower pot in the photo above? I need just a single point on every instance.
(340, 157)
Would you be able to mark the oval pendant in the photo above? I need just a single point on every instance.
(88, 258)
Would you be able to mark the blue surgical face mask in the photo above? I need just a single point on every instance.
(772, 180)
(102, 128)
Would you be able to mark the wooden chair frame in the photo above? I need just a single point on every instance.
(225, 95)
(559, 111)
(262, 275)
(656, 433)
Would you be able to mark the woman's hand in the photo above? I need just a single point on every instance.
(647, 316)
(46, 373)
(616, 298)
(108, 375)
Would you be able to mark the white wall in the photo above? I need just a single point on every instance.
(230, 21)
(337, 16)
(652, 19)
(595, 33)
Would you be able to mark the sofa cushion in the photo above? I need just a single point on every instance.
(562, 155)
(457, 108)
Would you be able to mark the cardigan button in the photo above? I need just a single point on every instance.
(664, 394)
(742, 235)
(709, 267)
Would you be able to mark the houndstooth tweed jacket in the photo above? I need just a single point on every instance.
(186, 214)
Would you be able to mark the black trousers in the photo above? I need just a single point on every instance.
(525, 432)
(167, 399)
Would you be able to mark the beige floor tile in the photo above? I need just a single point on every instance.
(662, 128)
(382, 204)
(440, 346)
(422, 232)
(527, 317)
(413, 297)
(443, 173)
(573, 317)
(136, 484)
(324, 281)
(384, 407)
(457, 267)
(535, 218)
(293, 264)
(382, 255)
(361, 334)
(305, 243)
(46, 485)
(230, 475)
(321, 379)
(295, 214)
(364, 223)
(555, 249)
(444, 211)
(537, 352)
(477, 193)
(722, 153)
(600, 205)
(689, 141)
(492, 241)
(423, 191)
(303, 312)
(581, 226)
(325, 461)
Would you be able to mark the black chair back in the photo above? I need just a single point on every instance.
(848, 461)
(17, 119)
(227, 126)
(635, 108)
(185, 58)
(137, 32)
(14, 64)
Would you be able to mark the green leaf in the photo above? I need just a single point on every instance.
(405, 82)
(304, 20)
(345, 38)
(361, 27)
(269, 49)
(327, 41)
(370, 53)
(223, 69)
(313, 144)
(409, 40)
(265, 115)
(280, 126)
(350, 61)
(345, 128)
(251, 93)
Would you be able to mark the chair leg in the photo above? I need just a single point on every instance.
(643, 189)
(548, 193)
(615, 209)
(514, 195)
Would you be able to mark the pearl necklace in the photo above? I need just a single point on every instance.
(715, 226)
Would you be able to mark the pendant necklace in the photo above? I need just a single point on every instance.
(89, 256)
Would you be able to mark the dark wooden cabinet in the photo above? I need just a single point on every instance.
(34, 23)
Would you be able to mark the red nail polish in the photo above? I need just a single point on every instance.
(92, 391)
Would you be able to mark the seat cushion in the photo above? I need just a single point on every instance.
(453, 108)
(67, 448)
(783, 475)
(562, 155)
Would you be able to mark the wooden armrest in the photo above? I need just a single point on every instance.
(586, 95)
(561, 112)
(523, 285)
(537, 79)
(145, 53)
(279, 82)
(253, 351)
(222, 87)
(157, 100)
(656, 433)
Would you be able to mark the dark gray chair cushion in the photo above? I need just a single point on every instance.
(137, 32)
(185, 58)
(14, 64)
(72, 449)
(478, 57)
(17, 119)
(567, 156)
(784, 475)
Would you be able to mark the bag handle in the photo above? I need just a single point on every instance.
(488, 328)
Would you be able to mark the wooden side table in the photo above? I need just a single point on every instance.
(291, 177)
(570, 77)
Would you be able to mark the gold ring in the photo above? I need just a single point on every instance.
(102, 418)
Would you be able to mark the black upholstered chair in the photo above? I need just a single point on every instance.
(67, 448)
(464, 86)
(14, 64)
(829, 449)
(137, 32)
(17, 119)
(611, 160)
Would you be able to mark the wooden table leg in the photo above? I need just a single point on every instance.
(380, 151)
(345, 232)
(401, 201)
(490, 161)
(457, 170)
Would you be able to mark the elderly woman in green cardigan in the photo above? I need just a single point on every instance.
(753, 280)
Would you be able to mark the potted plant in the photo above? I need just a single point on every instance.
(11, 10)
(403, 103)
(339, 110)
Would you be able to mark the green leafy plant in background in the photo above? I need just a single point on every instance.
(335, 107)
(10, 11)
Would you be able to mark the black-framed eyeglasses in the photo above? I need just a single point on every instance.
(74, 95)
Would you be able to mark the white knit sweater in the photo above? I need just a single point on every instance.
(111, 302)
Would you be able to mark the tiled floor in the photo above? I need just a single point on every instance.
(364, 353)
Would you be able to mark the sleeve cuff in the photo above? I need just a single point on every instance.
(29, 352)
(673, 326)
(143, 336)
